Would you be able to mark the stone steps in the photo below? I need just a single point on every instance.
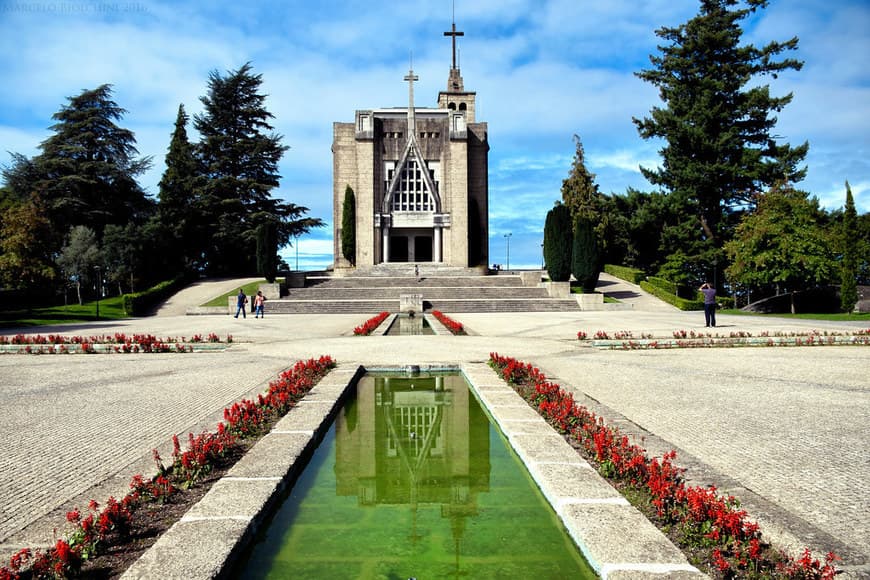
(448, 289)
(439, 281)
(446, 305)
(428, 292)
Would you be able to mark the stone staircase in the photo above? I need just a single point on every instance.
(447, 289)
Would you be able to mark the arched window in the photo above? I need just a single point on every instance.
(462, 106)
(452, 106)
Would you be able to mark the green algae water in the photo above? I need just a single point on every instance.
(405, 325)
(414, 481)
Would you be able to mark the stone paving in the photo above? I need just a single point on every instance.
(784, 429)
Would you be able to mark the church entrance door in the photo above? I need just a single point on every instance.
(398, 248)
(422, 249)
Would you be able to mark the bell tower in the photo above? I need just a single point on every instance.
(456, 98)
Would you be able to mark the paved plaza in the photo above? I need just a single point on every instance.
(784, 429)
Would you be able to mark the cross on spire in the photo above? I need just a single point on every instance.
(454, 33)
(411, 77)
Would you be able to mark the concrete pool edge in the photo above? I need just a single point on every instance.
(616, 539)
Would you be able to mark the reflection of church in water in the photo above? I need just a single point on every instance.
(414, 441)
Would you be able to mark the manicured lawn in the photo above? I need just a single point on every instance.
(836, 317)
(110, 309)
(250, 289)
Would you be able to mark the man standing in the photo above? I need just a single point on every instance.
(241, 300)
(709, 303)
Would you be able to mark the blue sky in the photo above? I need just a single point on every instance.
(543, 70)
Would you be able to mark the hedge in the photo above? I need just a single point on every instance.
(666, 285)
(141, 303)
(632, 275)
(671, 298)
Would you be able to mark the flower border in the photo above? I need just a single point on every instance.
(93, 533)
(700, 516)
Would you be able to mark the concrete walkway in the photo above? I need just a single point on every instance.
(784, 429)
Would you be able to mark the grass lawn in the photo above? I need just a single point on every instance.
(110, 309)
(835, 317)
(250, 289)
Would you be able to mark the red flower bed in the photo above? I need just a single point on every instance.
(101, 527)
(452, 325)
(118, 343)
(370, 325)
(702, 517)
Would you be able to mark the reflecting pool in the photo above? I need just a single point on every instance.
(404, 325)
(414, 481)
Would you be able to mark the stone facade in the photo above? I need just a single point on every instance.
(420, 181)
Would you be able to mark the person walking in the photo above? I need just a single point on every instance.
(417, 272)
(241, 301)
(709, 304)
(259, 303)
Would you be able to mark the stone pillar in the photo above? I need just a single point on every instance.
(436, 245)
(386, 245)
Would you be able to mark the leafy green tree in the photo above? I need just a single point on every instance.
(558, 239)
(25, 260)
(87, 169)
(178, 210)
(781, 244)
(717, 123)
(122, 255)
(80, 257)
(585, 258)
(849, 263)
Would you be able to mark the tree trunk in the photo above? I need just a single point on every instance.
(79, 292)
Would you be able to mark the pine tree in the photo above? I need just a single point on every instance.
(579, 192)
(239, 153)
(348, 226)
(849, 264)
(558, 239)
(716, 123)
(88, 168)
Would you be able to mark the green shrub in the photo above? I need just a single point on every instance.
(665, 285)
(672, 298)
(141, 303)
(632, 275)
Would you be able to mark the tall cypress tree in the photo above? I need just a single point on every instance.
(348, 226)
(585, 257)
(558, 239)
(178, 209)
(716, 123)
(849, 265)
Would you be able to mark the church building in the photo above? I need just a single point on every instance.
(419, 178)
